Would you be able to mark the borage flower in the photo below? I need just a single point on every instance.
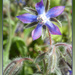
(42, 18)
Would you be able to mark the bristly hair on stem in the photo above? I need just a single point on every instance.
(16, 65)
(50, 37)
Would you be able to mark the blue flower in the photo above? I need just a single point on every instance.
(42, 18)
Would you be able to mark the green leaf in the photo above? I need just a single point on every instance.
(56, 22)
(40, 57)
(54, 3)
(31, 10)
(20, 45)
(27, 32)
(47, 5)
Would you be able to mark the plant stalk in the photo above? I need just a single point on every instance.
(50, 37)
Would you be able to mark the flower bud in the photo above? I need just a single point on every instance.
(52, 61)
(14, 67)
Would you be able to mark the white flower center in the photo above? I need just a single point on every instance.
(42, 19)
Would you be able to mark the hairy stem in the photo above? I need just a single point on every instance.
(50, 37)
(69, 26)
(10, 32)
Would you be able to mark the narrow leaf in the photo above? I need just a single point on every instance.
(44, 27)
(31, 25)
(31, 10)
(40, 57)
(47, 5)
(44, 32)
(55, 20)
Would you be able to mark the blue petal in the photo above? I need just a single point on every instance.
(40, 7)
(55, 11)
(27, 18)
(53, 28)
(36, 33)
(70, 72)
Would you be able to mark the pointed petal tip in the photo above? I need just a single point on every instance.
(39, 3)
(40, 7)
(36, 33)
(56, 33)
(55, 11)
(60, 33)
(17, 16)
(63, 7)
(53, 29)
(32, 35)
(34, 38)
(27, 18)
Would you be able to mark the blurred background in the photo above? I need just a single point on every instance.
(17, 42)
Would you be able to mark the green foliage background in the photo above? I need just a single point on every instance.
(1, 37)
